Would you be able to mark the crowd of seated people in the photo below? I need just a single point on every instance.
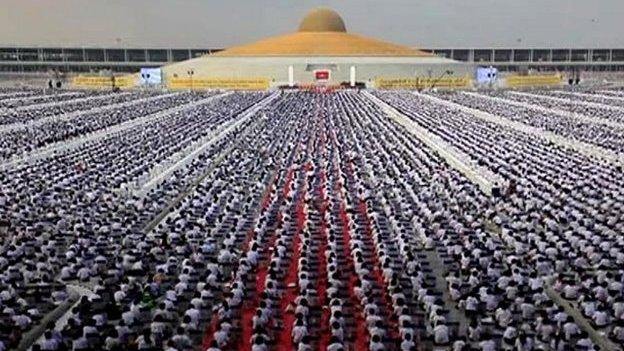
(22, 140)
(44, 98)
(607, 112)
(571, 127)
(450, 219)
(319, 223)
(584, 95)
(37, 112)
(13, 92)
(562, 211)
(64, 207)
(613, 92)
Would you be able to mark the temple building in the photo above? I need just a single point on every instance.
(321, 51)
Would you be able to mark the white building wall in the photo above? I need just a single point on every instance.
(276, 69)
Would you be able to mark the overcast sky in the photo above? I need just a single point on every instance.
(216, 24)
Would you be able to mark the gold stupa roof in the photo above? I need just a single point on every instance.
(322, 20)
(322, 32)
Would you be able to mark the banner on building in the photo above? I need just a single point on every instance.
(99, 82)
(422, 83)
(534, 80)
(216, 83)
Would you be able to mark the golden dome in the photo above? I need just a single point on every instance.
(322, 20)
(321, 44)
(322, 33)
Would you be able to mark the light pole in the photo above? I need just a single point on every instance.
(190, 73)
(112, 76)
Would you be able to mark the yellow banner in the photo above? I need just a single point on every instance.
(422, 83)
(128, 81)
(218, 83)
(537, 80)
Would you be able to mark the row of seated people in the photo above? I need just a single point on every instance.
(585, 95)
(25, 139)
(612, 92)
(37, 113)
(18, 92)
(575, 105)
(44, 97)
(569, 126)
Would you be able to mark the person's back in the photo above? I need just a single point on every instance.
(144, 341)
(181, 340)
(407, 344)
(259, 347)
(441, 334)
(80, 344)
(49, 343)
(488, 345)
